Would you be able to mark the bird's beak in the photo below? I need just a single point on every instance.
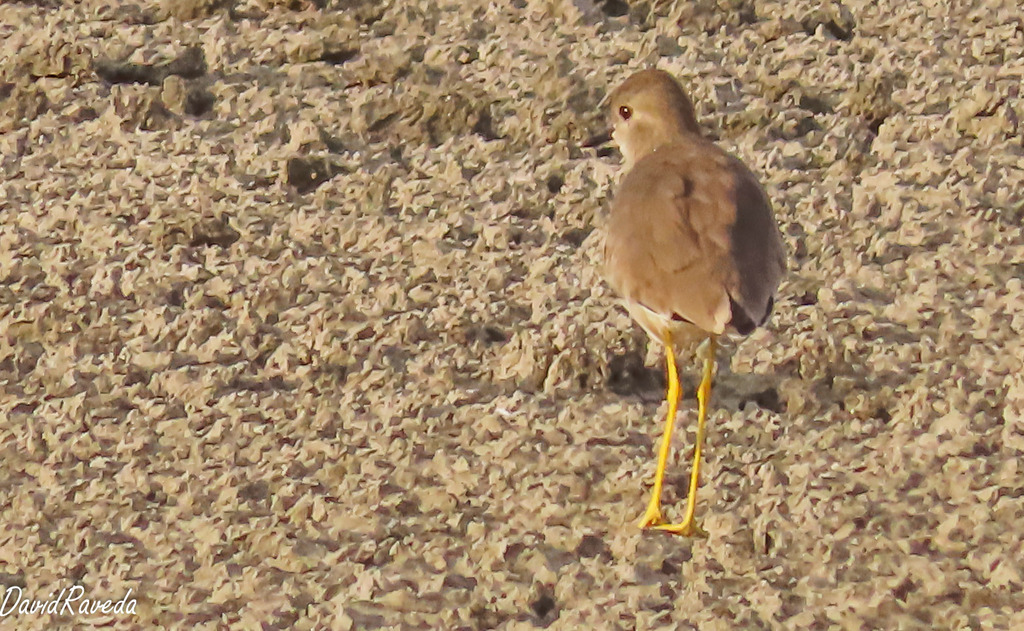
(599, 139)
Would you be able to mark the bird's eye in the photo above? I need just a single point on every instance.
(625, 112)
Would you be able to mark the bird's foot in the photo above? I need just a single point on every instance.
(688, 528)
(652, 516)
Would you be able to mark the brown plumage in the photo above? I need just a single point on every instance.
(691, 237)
(691, 245)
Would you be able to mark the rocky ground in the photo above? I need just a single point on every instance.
(302, 321)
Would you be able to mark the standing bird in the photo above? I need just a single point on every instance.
(691, 245)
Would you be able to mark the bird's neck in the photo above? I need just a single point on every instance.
(654, 142)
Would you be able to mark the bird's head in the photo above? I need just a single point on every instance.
(647, 111)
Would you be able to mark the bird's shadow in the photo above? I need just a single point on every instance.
(629, 376)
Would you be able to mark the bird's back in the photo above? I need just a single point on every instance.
(691, 238)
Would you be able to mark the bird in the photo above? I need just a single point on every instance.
(692, 247)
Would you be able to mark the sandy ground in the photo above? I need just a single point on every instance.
(302, 321)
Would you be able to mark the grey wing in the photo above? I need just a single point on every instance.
(757, 251)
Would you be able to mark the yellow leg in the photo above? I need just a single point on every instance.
(652, 517)
(688, 527)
